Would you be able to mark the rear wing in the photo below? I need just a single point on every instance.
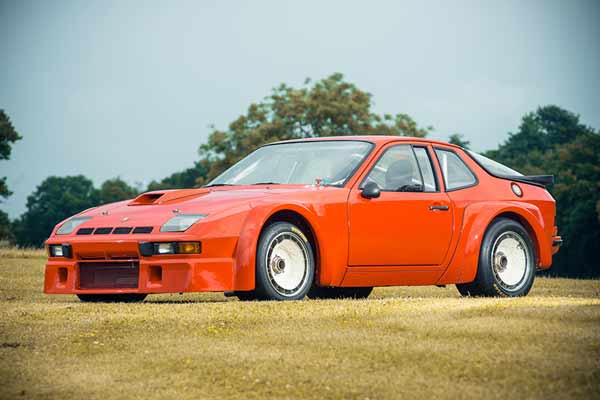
(539, 180)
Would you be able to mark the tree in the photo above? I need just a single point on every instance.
(181, 180)
(539, 132)
(551, 140)
(459, 140)
(6, 234)
(8, 136)
(330, 107)
(114, 190)
(576, 166)
(55, 199)
(58, 198)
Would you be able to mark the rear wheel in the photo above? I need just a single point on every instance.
(506, 262)
(112, 298)
(319, 292)
(285, 265)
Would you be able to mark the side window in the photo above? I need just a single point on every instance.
(397, 171)
(426, 169)
(456, 173)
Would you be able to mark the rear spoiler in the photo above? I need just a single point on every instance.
(539, 180)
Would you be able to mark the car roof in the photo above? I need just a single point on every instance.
(376, 139)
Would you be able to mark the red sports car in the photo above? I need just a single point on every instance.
(324, 217)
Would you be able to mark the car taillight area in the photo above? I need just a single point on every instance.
(109, 275)
(557, 240)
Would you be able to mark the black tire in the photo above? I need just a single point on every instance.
(320, 292)
(270, 267)
(112, 298)
(493, 262)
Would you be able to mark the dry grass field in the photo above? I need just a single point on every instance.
(416, 343)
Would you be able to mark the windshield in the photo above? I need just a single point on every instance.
(332, 161)
(493, 167)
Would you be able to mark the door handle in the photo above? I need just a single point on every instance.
(438, 208)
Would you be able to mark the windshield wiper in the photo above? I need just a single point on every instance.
(218, 184)
(266, 183)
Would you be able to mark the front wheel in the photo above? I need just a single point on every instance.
(112, 298)
(506, 262)
(285, 264)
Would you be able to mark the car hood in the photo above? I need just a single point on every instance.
(156, 208)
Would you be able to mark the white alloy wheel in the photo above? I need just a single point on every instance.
(287, 263)
(510, 261)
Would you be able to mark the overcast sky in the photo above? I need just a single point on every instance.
(129, 88)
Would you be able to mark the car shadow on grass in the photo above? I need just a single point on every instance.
(194, 301)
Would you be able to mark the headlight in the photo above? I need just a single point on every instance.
(181, 222)
(60, 250)
(164, 248)
(71, 224)
(55, 250)
(148, 249)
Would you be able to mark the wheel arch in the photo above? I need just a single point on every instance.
(475, 222)
(256, 222)
(526, 225)
(295, 218)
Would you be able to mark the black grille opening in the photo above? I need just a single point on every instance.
(85, 231)
(122, 230)
(143, 229)
(103, 231)
(108, 276)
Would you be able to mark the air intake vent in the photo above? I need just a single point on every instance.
(113, 275)
(143, 229)
(103, 231)
(123, 230)
(146, 198)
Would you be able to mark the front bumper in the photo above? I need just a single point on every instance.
(118, 267)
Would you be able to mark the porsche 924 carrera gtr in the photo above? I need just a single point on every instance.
(323, 217)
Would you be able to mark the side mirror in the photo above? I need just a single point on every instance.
(371, 191)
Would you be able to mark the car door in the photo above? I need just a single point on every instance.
(411, 222)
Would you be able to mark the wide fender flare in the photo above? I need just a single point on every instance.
(476, 219)
(245, 254)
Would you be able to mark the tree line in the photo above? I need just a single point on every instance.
(549, 140)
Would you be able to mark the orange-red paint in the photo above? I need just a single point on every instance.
(391, 240)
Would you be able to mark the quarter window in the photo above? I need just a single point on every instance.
(397, 171)
(455, 172)
(493, 167)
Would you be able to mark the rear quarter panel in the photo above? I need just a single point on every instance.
(478, 206)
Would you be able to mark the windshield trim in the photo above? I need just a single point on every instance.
(316, 139)
(340, 185)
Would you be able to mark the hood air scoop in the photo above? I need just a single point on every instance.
(166, 196)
